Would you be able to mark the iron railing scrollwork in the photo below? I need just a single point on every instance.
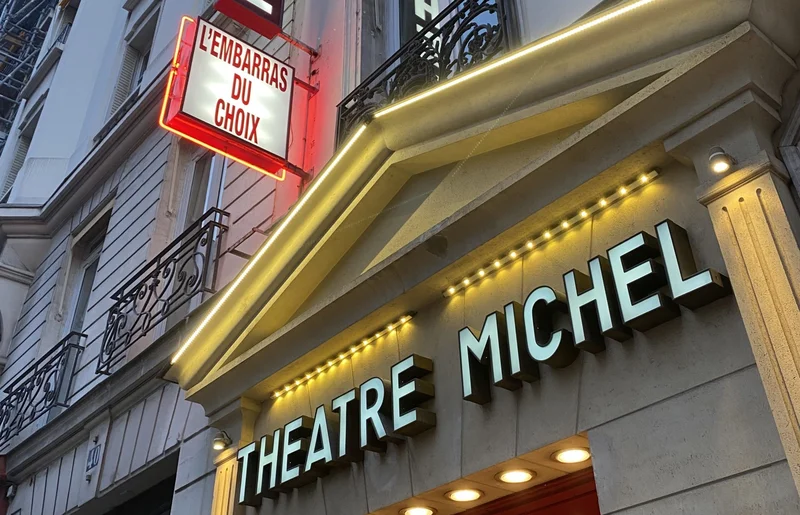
(43, 386)
(465, 34)
(182, 271)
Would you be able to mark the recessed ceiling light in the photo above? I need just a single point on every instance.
(418, 510)
(515, 477)
(464, 495)
(571, 456)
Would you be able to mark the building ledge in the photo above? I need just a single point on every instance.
(18, 220)
(37, 77)
(15, 274)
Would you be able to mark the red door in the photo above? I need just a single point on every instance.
(574, 494)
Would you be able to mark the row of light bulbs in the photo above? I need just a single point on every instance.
(341, 356)
(571, 455)
(508, 258)
(548, 235)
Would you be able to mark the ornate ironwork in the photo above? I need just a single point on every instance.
(185, 269)
(465, 34)
(43, 386)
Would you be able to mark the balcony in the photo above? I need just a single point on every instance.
(42, 387)
(164, 290)
(466, 33)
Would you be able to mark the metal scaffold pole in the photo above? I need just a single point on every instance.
(23, 26)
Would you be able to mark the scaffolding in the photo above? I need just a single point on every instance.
(23, 26)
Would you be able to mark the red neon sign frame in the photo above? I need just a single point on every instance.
(187, 127)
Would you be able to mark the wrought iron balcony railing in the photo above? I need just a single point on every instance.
(182, 271)
(465, 34)
(43, 386)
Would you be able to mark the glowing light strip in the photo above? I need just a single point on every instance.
(544, 43)
(315, 184)
(339, 357)
(548, 235)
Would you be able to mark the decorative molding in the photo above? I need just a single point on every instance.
(790, 145)
(15, 274)
(762, 164)
(42, 220)
(761, 254)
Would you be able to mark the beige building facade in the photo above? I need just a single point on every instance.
(572, 232)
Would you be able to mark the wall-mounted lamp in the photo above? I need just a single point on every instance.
(221, 441)
(720, 161)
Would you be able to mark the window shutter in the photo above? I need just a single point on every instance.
(128, 69)
(19, 159)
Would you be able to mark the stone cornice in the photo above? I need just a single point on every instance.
(15, 274)
(759, 165)
(43, 220)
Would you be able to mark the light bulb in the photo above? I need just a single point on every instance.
(571, 456)
(515, 477)
(464, 495)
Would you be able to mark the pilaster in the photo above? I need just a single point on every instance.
(238, 421)
(755, 220)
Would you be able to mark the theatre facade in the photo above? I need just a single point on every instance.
(566, 280)
(533, 261)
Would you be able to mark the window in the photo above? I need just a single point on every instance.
(203, 187)
(142, 61)
(84, 260)
(201, 197)
(86, 276)
(84, 263)
(135, 56)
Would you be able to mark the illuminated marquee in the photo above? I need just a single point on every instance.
(641, 284)
(263, 16)
(364, 418)
(229, 97)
